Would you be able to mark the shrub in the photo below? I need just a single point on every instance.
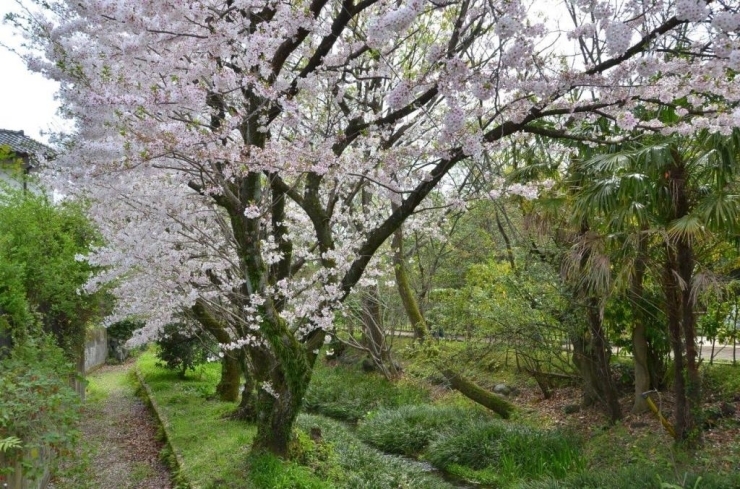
(38, 409)
(124, 330)
(348, 394)
(724, 379)
(506, 452)
(118, 334)
(180, 349)
(408, 430)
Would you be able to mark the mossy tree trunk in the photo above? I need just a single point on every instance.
(410, 304)
(228, 386)
(476, 393)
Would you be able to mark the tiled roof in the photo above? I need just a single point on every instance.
(22, 144)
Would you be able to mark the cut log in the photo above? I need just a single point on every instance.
(476, 393)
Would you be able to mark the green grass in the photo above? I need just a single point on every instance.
(408, 430)
(347, 393)
(364, 467)
(215, 452)
(635, 477)
(499, 453)
(213, 448)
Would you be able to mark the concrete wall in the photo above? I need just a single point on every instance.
(96, 349)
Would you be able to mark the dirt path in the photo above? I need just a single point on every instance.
(119, 448)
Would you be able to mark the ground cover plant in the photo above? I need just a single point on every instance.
(215, 453)
(498, 453)
(408, 430)
(347, 393)
(39, 412)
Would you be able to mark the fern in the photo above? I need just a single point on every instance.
(10, 443)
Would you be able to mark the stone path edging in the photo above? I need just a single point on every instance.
(179, 481)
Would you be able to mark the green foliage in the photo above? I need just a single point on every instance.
(631, 477)
(723, 379)
(213, 448)
(494, 452)
(316, 454)
(10, 443)
(348, 394)
(39, 246)
(180, 349)
(364, 467)
(408, 430)
(124, 330)
(37, 405)
(267, 471)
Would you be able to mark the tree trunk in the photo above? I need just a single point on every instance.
(283, 374)
(642, 371)
(373, 334)
(591, 358)
(410, 304)
(247, 410)
(639, 338)
(600, 354)
(477, 394)
(692, 434)
(673, 306)
(228, 387)
(585, 368)
(681, 264)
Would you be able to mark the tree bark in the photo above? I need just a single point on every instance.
(228, 386)
(673, 306)
(599, 354)
(410, 304)
(680, 267)
(639, 338)
(477, 394)
(642, 371)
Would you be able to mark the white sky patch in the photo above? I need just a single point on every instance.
(26, 99)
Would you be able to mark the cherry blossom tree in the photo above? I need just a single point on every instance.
(278, 115)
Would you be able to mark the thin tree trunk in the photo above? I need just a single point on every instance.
(673, 305)
(639, 338)
(410, 304)
(642, 371)
(600, 355)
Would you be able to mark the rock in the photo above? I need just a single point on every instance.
(368, 365)
(727, 410)
(571, 408)
(502, 389)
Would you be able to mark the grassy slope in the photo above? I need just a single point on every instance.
(213, 448)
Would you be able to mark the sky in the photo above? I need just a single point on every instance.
(26, 99)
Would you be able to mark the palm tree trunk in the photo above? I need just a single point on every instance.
(639, 338)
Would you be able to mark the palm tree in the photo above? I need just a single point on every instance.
(674, 194)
